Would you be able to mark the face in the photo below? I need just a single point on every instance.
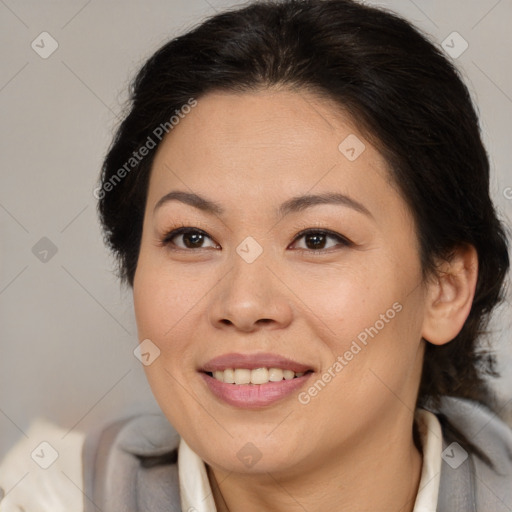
(277, 253)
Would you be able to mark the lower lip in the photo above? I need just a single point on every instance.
(251, 396)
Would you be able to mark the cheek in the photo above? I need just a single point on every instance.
(374, 366)
(164, 314)
(162, 298)
(345, 302)
(371, 319)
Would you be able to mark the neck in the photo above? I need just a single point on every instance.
(380, 475)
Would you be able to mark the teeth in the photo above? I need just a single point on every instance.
(288, 374)
(259, 376)
(229, 376)
(256, 376)
(242, 376)
(219, 376)
(275, 374)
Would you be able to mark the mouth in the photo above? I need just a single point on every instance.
(258, 376)
(253, 381)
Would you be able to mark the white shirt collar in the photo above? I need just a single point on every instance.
(196, 493)
(431, 438)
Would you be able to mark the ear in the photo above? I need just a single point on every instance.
(450, 296)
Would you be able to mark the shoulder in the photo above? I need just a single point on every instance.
(43, 471)
(471, 482)
(131, 465)
(127, 466)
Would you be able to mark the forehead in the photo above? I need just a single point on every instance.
(266, 140)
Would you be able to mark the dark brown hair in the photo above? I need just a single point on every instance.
(403, 94)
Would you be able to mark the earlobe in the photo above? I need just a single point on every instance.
(450, 296)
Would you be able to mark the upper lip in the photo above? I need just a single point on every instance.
(253, 361)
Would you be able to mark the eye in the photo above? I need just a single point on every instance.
(189, 238)
(315, 240)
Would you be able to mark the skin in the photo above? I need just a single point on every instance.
(351, 447)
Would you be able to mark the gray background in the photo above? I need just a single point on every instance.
(67, 329)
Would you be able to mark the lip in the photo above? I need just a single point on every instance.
(254, 396)
(253, 361)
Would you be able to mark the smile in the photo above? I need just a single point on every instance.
(253, 380)
(244, 376)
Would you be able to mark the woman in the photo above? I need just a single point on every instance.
(300, 202)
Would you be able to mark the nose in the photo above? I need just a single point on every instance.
(251, 297)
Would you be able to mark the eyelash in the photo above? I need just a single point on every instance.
(342, 241)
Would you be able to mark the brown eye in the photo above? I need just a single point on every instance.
(315, 240)
(193, 240)
(189, 238)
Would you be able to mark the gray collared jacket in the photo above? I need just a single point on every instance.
(132, 465)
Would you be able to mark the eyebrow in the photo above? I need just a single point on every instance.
(191, 199)
(300, 203)
(295, 204)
